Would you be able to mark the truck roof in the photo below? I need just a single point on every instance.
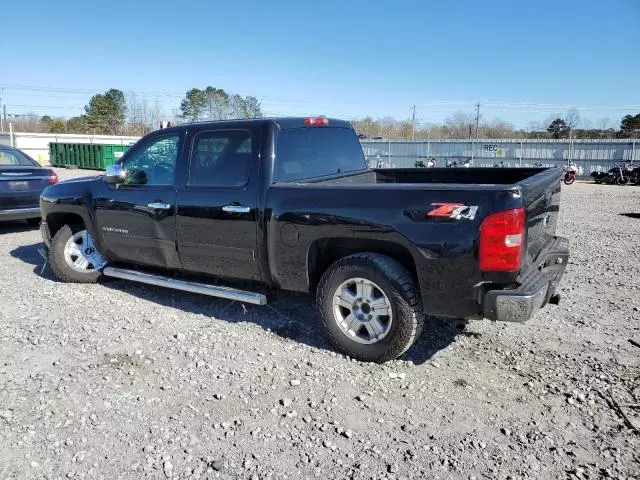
(280, 122)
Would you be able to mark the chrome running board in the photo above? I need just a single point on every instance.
(194, 287)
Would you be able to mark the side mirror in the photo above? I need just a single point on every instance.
(115, 174)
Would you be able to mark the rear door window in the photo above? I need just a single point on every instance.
(221, 158)
(317, 151)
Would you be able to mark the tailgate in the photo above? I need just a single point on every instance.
(541, 200)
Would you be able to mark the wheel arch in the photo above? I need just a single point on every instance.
(324, 252)
(57, 220)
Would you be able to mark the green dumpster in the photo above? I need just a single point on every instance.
(84, 155)
(52, 155)
(113, 153)
(91, 163)
(95, 160)
(66, 155)
(81, 156)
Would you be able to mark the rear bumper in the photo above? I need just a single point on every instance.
(19, 213)
(535, 288)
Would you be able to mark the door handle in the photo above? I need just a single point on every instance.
(236, 209)
(159, 206)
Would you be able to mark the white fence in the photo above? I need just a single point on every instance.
(587, 154)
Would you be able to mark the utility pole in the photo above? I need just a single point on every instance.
(413, 124)
(2, 118)
(570, 147)
(477, 124)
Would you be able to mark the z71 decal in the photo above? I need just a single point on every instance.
(453, 211)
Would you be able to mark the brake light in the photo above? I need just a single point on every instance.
(53, 178)
(501, 237)
(316, 121)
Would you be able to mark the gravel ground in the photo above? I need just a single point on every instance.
(121, 380)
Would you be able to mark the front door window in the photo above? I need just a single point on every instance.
(154, 164)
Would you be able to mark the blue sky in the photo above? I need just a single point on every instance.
(340, 58)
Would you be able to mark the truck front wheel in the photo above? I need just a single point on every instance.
(74, 256)
(370, 307)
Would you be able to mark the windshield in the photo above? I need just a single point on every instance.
(9, 158)
(317, 151)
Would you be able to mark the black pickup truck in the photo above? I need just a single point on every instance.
(289, 203)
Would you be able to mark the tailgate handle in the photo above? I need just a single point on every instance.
(236, 209)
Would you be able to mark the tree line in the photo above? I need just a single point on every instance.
(114, 113)
(461, 125)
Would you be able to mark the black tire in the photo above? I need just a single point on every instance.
(396, 283)
(569, 180)
(33, 222)
(58, 263)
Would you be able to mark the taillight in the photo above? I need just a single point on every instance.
(53, 178)
(501, 237)
(316, 121)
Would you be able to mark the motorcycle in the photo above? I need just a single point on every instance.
(570, 172)
(599, 176)
(499, 165)
(616, 176)
(431, 163)
(620, 176)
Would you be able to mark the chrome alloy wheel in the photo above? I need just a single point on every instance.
(81, 254)
(362, 310)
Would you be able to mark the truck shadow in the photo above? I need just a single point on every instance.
(438, 333)
(290, 316)
(29, 254)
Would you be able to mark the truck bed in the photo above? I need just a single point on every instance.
(485, 176)
(391, 205)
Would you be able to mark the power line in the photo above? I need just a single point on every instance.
(46, 106)
(461, 103)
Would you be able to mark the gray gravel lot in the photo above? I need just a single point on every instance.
(120, 380)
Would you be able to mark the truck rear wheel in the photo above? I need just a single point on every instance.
(74, 257)
(370, 307)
